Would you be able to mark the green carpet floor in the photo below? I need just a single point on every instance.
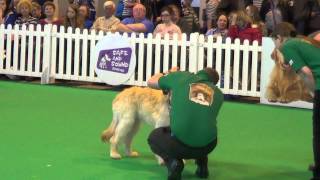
(53, 133)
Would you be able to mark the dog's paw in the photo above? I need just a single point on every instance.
(307, 97)
(285, 100)
(115, 155)
(133, 154)
(272, 100)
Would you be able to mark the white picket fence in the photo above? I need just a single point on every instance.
(67, 54)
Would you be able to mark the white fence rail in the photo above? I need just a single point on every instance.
(67, 54)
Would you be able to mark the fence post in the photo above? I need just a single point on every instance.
(2, 51)
(54, 53)
(193, 52)
(45, 76)
(200, 50)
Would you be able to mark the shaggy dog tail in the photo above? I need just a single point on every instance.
(108, 133)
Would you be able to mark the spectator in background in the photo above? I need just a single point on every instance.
(150, 5)
(314, 21)
(176, 14)
(49, 11)
(24, 8)
(13, 4)
(273, 12)
(119, 9)
(4, 10)
(151, 9)
(257, 3)
(241, 28)
(9, 14)
(108, 22)
(138, 23)
(165, 3)
(221, 27)
(167, 26)
(84, 15)
(306, 15)
(176, 17)
(228, 6)
(196, 6)
(211, 15)
(192, 21)
(181, 21)
(90, 5)
(72, 18)
(36, 10)
(253, 12)
(41, 2)
(127, 7)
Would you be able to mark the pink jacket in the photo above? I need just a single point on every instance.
(247, 33)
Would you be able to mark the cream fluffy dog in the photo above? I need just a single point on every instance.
(130, 107)
(286, 85)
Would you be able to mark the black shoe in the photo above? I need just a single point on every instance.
(316, 172)
(202, 172)
(175, 168)
(202, 168)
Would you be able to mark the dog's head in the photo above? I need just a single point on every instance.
(278, 58)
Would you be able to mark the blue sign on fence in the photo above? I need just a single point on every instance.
(116, 60)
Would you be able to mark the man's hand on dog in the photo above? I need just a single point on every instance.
(173, 69)
(306, 75)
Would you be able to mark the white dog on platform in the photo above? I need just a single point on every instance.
(130, 107)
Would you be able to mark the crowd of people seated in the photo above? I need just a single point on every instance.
(243, 19)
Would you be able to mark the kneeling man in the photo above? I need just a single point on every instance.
(195, 103)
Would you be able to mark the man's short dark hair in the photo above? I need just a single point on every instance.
(213, 75)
